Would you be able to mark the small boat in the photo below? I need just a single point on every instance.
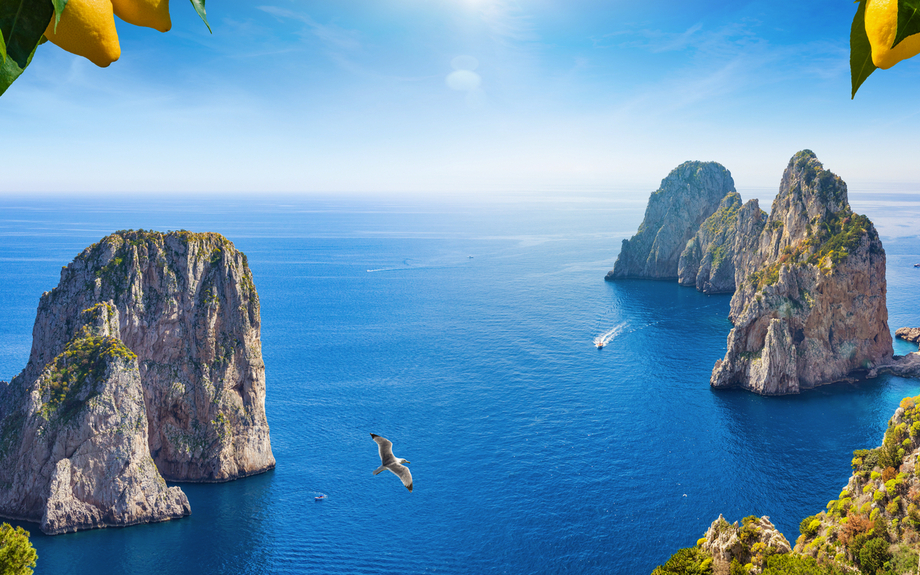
(917, 265)
(319, 497)
(600, 344)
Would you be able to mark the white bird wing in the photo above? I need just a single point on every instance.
(402, 472)
(385, 448)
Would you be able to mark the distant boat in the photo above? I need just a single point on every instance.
(917, 265)
(600, 344)
(319, 497)
(471, 257)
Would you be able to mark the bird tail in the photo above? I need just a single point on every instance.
(379, 469)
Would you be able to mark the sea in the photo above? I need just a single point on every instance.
(462, 328)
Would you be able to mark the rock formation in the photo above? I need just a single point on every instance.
(691, 193)
(73, 441)
(908, 334)
(185, 305)
(707, 261)
(809, 307)
(748, 544)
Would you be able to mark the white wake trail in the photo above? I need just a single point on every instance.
(605, 338)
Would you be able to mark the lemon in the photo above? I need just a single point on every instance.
(87, 28)
(881, 28)
(151, 13)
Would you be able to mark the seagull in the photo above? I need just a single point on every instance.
(389, 461)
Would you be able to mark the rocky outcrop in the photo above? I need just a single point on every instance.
(73, 441)
(175, 320)
(707, 261)
(908, 333)
(188, 308)
(749, 543)
(690, 194)
(809, 307)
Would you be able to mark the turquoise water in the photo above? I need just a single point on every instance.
(532, 451)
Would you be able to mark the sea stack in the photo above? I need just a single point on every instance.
(809, 306)
(146, 364)
(691, 193)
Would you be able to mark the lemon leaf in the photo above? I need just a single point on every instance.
(59, 6)
(860, 50)
(2, 47)
(22, 23)
(908, 20)
(10, 70)
(199, 7)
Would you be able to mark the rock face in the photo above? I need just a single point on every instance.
(179, 315)
(73, 441)
(810, 306)
(188, 308)
(748, 544)
(707, 261)
(908, 333)
(690, 194)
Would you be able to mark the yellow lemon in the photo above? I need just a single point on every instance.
(881, 28)
(87, 28)
(151, 13)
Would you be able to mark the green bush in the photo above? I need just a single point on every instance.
(17, 556)
(689, 561)
(809, 526)
(788, 564)
(873, 555)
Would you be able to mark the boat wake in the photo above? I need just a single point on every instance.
(602, 340)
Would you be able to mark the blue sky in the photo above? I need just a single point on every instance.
(470, 96)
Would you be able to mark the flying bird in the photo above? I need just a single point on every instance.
(388, 461)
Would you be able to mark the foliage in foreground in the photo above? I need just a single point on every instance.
(17, 556)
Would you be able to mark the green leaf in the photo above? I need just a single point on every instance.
(860, 50)
(2, 47)
(10, 70)
(199, 7)
(22, 23)
(59, 6)
(908, 20)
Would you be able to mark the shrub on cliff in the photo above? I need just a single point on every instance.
(787, 564)
(689, 561)
(17, 556)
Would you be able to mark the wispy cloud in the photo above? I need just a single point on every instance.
(330, 35)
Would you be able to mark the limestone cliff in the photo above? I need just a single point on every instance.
(809, 307)
(145, 363)
(690, 194)
(73, 440)
(707, 261)
(188, 308)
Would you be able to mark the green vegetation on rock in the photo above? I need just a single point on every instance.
(84, 361)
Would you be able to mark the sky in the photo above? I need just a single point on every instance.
(459, 96)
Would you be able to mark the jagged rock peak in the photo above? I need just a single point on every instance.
(810, 306)
(691, 193)
(707, 261)
(749, 543)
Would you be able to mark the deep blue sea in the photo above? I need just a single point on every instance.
(531, 450)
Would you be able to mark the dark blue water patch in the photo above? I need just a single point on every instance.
(532, 451)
